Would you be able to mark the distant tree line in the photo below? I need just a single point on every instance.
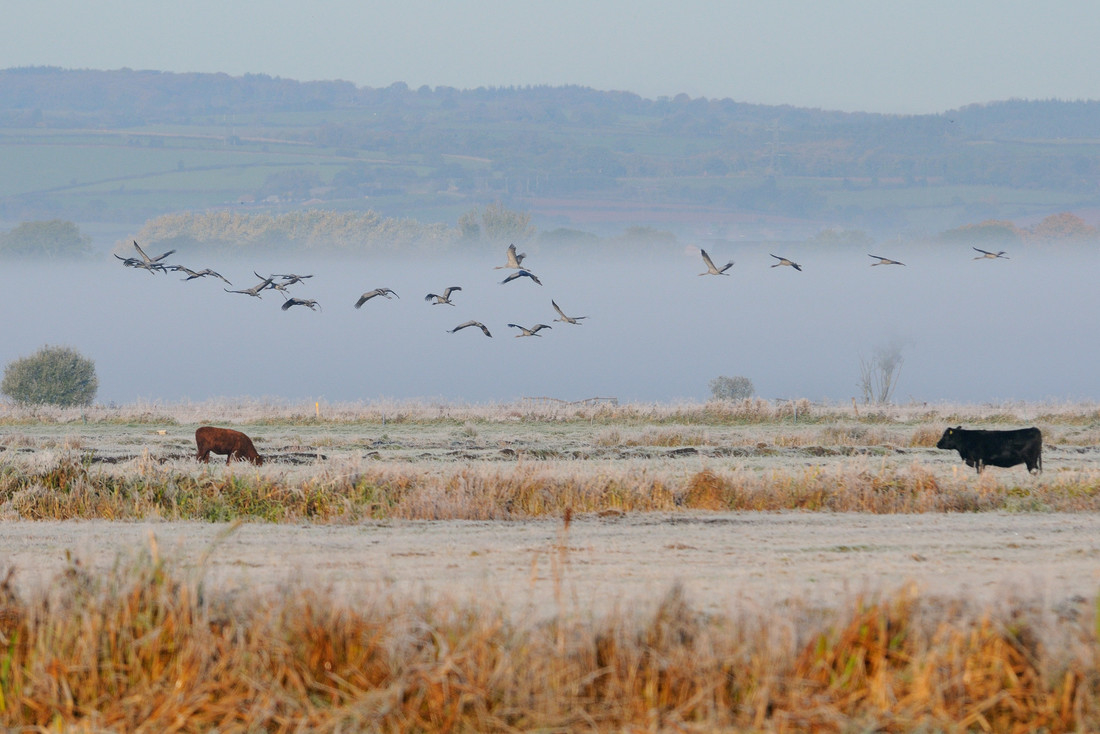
(358, 232)
(1063, 227)
(571, 138)
(361, 232)
(311, 229)
(334, 231)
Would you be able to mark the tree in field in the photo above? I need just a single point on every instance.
(1063, 227)
(51, 376)
(53, 238)
(731, 388)
(878, 377)
(469, 225)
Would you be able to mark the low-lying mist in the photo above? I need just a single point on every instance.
(970, 330)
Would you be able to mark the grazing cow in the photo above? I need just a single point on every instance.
(996, 448)
(234, 444)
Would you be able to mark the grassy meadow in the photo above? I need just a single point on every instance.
(148, 647)
(343, 463)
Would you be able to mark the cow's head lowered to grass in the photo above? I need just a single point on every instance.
(234, 444)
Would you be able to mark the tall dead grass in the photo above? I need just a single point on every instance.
(748, 412)
(147, 647)
(71, 489)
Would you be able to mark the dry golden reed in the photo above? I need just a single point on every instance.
(148, 648)
(250, 411)
(71, 489)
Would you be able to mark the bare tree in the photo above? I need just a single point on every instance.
(878, 376)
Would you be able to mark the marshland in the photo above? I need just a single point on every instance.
(421, 565)
(411, 564)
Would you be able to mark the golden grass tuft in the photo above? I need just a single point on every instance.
(70, 488)
(983, 674)
(148, 648)
(707, 491)
(925, 437)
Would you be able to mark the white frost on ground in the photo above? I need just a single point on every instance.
(723, 560)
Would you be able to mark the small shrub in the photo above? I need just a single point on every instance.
(731, 388)
(51, 376)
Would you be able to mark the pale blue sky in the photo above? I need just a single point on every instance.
(905, 56)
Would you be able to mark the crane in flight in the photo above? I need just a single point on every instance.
(985, 254)
(152, 264)
(384, 292)
(567, 319)
(513, 260)
(521, 273)
(291, 278)
(785, 261)
(274, 285)
(478, 324)
(711, 269)
(533, 331)
(150, 260)
(254, 290)
(192, 274)
(436, 299)
(307, 302)
(883, 260)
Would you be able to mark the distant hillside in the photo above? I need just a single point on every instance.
(130, 145)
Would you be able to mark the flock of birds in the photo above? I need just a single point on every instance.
(514, 261)
(712, 269)
(282, 281)
(277, 282)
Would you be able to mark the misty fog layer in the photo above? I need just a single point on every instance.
(970, 330)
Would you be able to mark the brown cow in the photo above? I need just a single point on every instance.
(234, 444)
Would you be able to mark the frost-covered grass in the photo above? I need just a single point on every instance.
(147, 647)
(426, 461)
(276, 411)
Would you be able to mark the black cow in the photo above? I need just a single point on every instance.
(996, 448)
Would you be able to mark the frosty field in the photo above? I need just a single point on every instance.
(754, 501)
(423, 567)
